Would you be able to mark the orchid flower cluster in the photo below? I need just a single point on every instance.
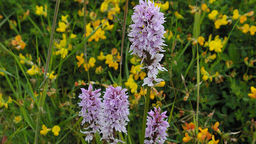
(107, 117)
(146, 36)
(156, 127)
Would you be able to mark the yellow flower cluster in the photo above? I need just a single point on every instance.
(131, 84)
(110, 6)
(206, 75)
(216, 44)
(2, 73)
(55, 130)
(100, 33)
(221, 21)
(213, 15)
(40, 10)
(88, 65)
(111, 59)
(253, 93)
(247, 28)
(63, 24)
(18, 43)
(17, 119)
(51, 75)
(163, 6)
(3, 103)
(25, 59)
(204, 136)
(168, 35)
(137, 73)
(33, 70)
(62, 48)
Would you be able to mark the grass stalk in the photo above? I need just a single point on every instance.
(85, 44)
(43, 96)
(123, 35)
(146, 107)
(196, 33)
(51, 38)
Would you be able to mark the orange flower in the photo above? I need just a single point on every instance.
(203, 134)
(187, 138)
(253, 93)
(215, 127)
(190, 126)
(18, 43)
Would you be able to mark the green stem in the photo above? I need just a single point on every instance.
(145, 116)
(51, 38)
(198, 88)
(123, 35)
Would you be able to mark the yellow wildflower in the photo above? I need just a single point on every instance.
(81, 12)
(245, 28)
(203, 134)
(72, 36)
(92, 62)
(51, 75)
(168, 34)
(62, 27)
(106, 24)
(56, 130)
(134, 60)
(86, 66)
(104, 6)
(93, 15)
(131, 84)
(152, 94)
(252, 30)
(178, 15)
(2, 73)
(222, 21)
(96, 23)
(33, 70)
(80, 59)
(64, 18)
(142, 75)
(215, 127)
(114, 51)
(253, 93)
(17, 119)
(213, 141)
(243, 18)
(18, 43)
(205, 8)
(164, 6)
(211, 1)
(200, 40)
(109, 59)
(235, 14)
(63, 52)
(41, 11)
(99, 70)
(101, 57)
(187, 138)
(216, 44)
(160, 84)
(213, 15)
(1, 17)
(44, 130)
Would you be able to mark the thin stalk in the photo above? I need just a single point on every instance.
(43, 96)
(198, 87)
(145, 116)
(57, 5)
(196, 33)
(85, 44)
(123, 35)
